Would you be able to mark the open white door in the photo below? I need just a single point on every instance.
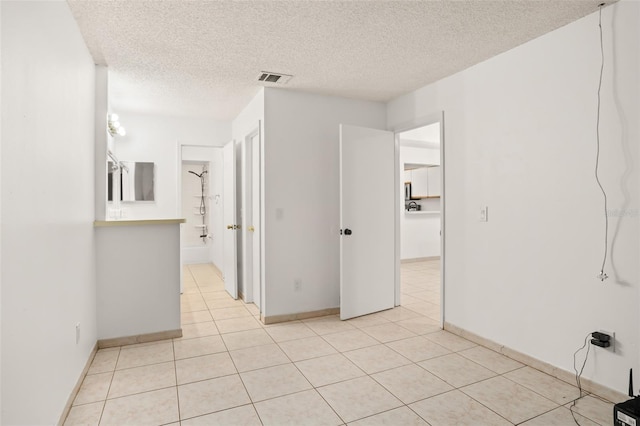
(367, 221)
(229, 213)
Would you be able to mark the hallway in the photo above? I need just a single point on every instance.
(392, 367)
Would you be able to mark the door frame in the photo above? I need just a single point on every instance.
(423, 121)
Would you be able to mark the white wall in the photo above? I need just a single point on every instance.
(155, 138)
(520, 138)
(420, 232)
(301, 166)
(48, 271)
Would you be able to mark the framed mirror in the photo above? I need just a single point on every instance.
(132, 181)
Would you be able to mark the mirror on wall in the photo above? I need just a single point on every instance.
(131, 181)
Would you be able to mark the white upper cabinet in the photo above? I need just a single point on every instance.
(433, 181)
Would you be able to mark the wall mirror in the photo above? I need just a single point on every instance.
(131, 181)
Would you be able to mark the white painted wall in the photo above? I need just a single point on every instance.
(520, 138)
(156, 138)
(420, 232)
(138, 279)
(301, 164)
(48, 270)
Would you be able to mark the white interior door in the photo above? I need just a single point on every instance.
(256, 223)
(367, 221)
(229, 213)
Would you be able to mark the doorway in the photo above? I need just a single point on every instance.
(420, 241)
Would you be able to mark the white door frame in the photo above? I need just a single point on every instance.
(403, 127)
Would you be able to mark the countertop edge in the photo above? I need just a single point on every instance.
(143, 222)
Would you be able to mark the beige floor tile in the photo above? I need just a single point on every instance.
(241, 416)
(303, 408)
(226, 313)
(350, 340)
(192, 306)
(224, 303)
(551, 388)
(418, 348)
(420, 325)
(157, 407)
(559, 417)
(272, 382)
(425, 308)
(251, 359)
(594, 409)
(512, 401)
(398, 416)
(456, 408)
(309, 347)
(198, 346)
(367, 321)
(491, 360)
(104, 361)
(204, 367)
(329, 369)
(329, 324)
(450, 341)
(85, 415)
(289, 331)
(252, 308)
(194, 317)
(388, 332)
(136, 356)
(94, 388)
(358, 398)
(214, 295)
(456, 370)
(246, 339)
(374, 359)
(233, 325)
(142, 379)
(199, 329)
(411, 383)
(406, 299)
(399, 313)
(211, 395)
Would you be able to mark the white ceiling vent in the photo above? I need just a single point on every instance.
(274, 78)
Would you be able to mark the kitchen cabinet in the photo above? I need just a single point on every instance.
(425, 181)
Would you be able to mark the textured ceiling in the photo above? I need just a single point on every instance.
(203, 57)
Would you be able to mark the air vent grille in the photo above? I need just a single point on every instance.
(274, 78)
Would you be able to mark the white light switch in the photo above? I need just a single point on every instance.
(484, 214)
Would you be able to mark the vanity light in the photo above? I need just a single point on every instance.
(114, 127)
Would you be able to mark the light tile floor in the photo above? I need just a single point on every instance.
(395, 368)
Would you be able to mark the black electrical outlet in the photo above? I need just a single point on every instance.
(602, 344)
(601, 336)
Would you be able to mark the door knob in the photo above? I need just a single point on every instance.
(230, 227)
(348, 231)
(251, 228)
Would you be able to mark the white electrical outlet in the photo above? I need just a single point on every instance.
(297, 284)
(484, 214)
(77, 333)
